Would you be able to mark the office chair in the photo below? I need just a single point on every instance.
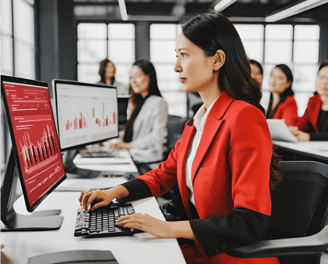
(296, 232)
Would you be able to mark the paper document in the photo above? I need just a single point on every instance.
(280, 131)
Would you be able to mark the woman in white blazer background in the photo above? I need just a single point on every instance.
(146, 131)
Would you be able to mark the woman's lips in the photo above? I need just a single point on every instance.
(182, 80)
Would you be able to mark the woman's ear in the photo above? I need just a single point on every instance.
(219, 59)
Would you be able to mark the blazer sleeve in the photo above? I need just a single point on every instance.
(303, 122)
(249, 160)
(290, 111)
(158, 127)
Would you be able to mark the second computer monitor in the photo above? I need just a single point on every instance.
(86, 113)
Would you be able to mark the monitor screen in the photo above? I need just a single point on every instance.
(34, 137)
(86, 113)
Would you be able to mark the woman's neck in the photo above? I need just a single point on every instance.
(108, 81)
(275, 100)
(209, 97)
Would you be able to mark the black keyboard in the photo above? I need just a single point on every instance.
(101, 222)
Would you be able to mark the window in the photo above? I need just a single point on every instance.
(97, 41)
(297, 46)
(17, 54)
(162, 54)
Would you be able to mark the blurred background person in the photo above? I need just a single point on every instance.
(145, 132)
(313, 125)
(282, 104)
(257, 72)
(107, 71)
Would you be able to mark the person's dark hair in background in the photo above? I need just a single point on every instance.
(102, 71)
(281, 85)
(235, 75)
(148, 69)
(257, 72)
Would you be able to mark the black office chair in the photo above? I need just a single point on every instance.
(297, 232)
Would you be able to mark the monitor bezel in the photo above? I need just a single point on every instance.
(5, 78)
(60, 81)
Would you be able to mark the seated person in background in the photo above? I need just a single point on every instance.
(257, 72)
(313, 125)
(107, 71)
(145, 132)
(224, 164)
(282, 104)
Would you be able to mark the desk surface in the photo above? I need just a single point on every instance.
(141, 248)
(123, 163)
(315, 149)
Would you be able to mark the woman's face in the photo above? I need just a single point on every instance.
(322, 81)
(256, 74)
(278, 82)
(194, 67)
(110, 70)
(139, 81)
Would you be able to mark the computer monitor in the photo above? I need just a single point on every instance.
(86, 114)
(35, 157)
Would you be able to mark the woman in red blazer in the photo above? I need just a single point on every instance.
(313, 125)
(222, 162)
(282, 104)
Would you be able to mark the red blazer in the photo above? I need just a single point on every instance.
(311, 114)
(231, 168)
(287, 111)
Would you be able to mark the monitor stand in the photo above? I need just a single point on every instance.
(74, 172)
(12, 221)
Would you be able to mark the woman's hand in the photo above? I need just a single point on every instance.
(147, 224)
(157, 227)
(300, 135)
(303, 136)
(103, 197)
(121, 145)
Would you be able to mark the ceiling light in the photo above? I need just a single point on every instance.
(294, 10)
(223, 4)
(124, 13)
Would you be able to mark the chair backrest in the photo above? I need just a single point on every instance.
(300, 202)
(175, 125)
(299, 205)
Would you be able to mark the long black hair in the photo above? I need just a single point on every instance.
(283, 96)
(212, 32)
(148, 69)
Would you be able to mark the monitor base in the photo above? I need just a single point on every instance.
(19, 222)
(47, 213)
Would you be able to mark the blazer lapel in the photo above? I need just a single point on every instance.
(317, 108)
(211, 128)
(183, 152)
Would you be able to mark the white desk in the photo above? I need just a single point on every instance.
(313, 149)
(122, 164)
(141, 248)
(118, 166)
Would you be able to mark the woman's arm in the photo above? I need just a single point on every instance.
(158, 129)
